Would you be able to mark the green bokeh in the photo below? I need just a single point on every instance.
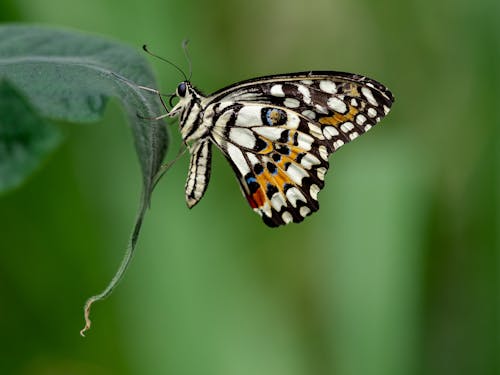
(396, 274)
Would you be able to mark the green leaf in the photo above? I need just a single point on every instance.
(25, 138)
(70, 76)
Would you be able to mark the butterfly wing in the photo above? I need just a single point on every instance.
(277, 132)
(281, 168)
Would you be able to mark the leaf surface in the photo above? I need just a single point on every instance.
(25, 138)
(70, 76)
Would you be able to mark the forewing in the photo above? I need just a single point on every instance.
(318, 92)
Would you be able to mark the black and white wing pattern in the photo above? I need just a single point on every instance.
(278, 132)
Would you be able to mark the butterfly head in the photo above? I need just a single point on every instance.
(185, 93)
(188, 110)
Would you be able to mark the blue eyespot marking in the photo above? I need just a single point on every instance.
(273, 116)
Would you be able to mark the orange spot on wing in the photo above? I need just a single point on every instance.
(282, 179)
(351, 90)
(257, 199)
(263, 178)
(295, 151)
(278, 180)
(269, 148)
(339, 118)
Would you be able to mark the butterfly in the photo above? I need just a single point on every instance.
(277, 132)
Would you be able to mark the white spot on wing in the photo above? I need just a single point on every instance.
(315, 130)
(269, 132)
(242, 137)
(328, 86)
(321, 172)
(292, 121)
(291, 103)
(337, 105)
(309, 114)
(330, 132)
(353, 135)
(305, 141)
(372, 112)
(277, 201)
(304, 211)
(314, 190)
(321, 109)
(323, 152)
(338, 143)
(287, 217)
(309, 160)
(369, 96)
(306, 94)
(296, 173)
(277, 90)
(237, 158)
(360, 119)
(293, 194)
(248, 116)
(253, 159)
(346, 127)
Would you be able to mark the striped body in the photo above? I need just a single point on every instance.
(277, 132)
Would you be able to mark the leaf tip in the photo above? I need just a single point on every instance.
(86, 312)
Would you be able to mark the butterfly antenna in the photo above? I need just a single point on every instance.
(145, 48)
(188, 58)
(149, 89)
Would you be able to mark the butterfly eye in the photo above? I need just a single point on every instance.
(181, 89)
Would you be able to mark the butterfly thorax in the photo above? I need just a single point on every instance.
(189, 110)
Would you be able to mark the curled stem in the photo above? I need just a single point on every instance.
(121, 270)
(129, 253)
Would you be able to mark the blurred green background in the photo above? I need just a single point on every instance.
(398, 273)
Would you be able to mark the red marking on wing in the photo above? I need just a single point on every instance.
(257, 199)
